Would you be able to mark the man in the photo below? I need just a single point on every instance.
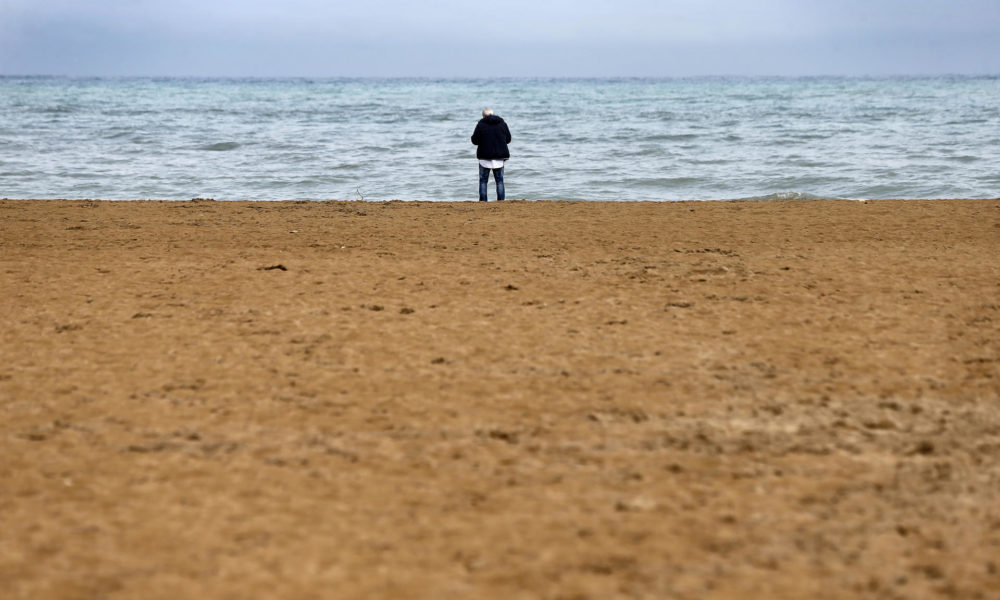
(491, 136)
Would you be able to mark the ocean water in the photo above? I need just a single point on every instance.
(600, 139)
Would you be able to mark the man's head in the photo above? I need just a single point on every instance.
(487, 112)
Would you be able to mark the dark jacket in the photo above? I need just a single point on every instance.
(492, 137)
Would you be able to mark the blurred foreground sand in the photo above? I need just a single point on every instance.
(517, 400)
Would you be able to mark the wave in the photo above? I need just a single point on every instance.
(670, 137)
(658, 182)
(710, 161)
(221, 147)
(62, 109)
(787, 196)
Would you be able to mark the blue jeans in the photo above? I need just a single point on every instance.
(484, 178)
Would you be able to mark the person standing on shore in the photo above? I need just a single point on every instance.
(491, 136)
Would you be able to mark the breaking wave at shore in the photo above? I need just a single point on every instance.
(612, 139)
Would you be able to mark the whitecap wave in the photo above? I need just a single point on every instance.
(787, 196)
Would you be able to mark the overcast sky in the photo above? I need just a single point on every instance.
(458, 38)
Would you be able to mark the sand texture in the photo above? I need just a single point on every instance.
(501, 401)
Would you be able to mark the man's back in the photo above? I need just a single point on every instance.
(491, 136)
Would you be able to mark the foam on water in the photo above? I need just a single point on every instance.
(628, 139)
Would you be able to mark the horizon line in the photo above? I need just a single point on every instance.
(941, 75)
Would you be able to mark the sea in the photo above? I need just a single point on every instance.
(712, 138)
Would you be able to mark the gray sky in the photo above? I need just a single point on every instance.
(453, 38)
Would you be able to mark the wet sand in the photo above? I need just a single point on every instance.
(517, 400)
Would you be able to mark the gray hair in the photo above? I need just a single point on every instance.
(487, 112)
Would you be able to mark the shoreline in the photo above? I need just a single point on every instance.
(436, 399)
(778, 197)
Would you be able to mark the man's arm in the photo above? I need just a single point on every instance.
(506, 131)
(475, 135)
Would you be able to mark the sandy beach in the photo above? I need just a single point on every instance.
(506, 400)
